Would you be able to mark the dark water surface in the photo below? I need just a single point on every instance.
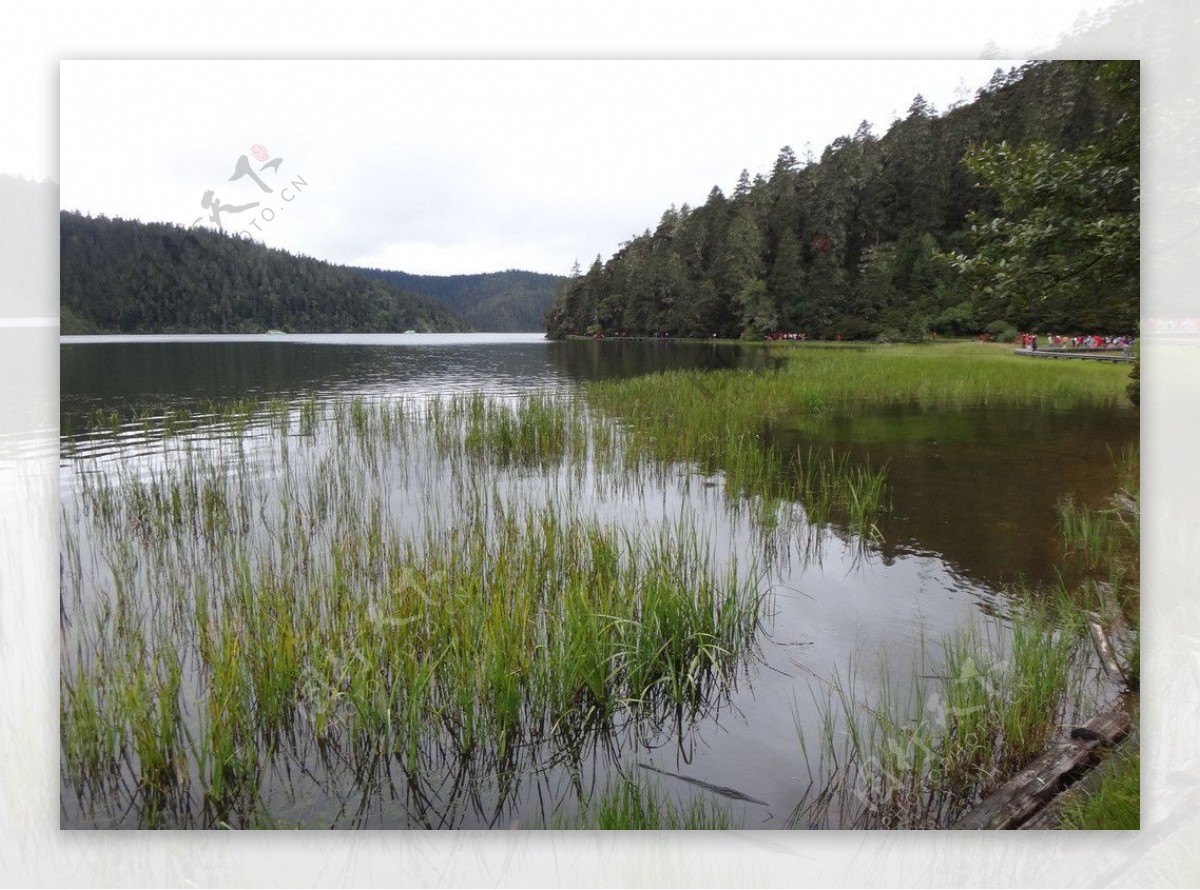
(978, 487)
(973, 507)
(132, 373)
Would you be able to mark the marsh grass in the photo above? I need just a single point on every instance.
(723, 421)
(1087, 533)
(536, 430)
(1104, 543)
(820, 384)
(922, 752)
(829, 486)
(919, 754)
(348, 595)
(633, 803)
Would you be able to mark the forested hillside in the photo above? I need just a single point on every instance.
(1017, 210)
(121, 276)
(494, 301)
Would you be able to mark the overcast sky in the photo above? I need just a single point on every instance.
(444, 167)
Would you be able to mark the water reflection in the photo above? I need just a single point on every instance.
(130, 374)
(605, 359)
(978, 487)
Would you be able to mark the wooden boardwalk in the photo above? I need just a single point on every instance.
(1097, 356)
(1019, 799)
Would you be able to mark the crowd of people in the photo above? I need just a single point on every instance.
(783, 336)
(1083, 341)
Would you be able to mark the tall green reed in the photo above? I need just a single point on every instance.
(325, 591)
(922, 751)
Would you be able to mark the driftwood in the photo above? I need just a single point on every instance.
(1104, 648)
(1027, 792)
(1046, 819)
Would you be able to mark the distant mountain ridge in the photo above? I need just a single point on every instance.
(125, 276)
(508, 301)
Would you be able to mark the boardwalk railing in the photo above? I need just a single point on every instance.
(1096, 355)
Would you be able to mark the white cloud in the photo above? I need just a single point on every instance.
(456, 166)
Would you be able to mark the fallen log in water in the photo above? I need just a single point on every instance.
(1104, 648)
(1029, 790)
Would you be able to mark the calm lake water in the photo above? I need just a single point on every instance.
(973, 497)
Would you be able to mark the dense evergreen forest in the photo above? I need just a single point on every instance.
(1018, 210)
(121, 276)
(512, 300)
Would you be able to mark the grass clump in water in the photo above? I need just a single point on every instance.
(1104, 540)
(630, 804)
(921, 755)
(1103, 545)
(536, 430)
(269, 619)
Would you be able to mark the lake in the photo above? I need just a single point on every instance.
(331, 435)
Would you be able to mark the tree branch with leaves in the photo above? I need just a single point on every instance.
(1061, 252)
